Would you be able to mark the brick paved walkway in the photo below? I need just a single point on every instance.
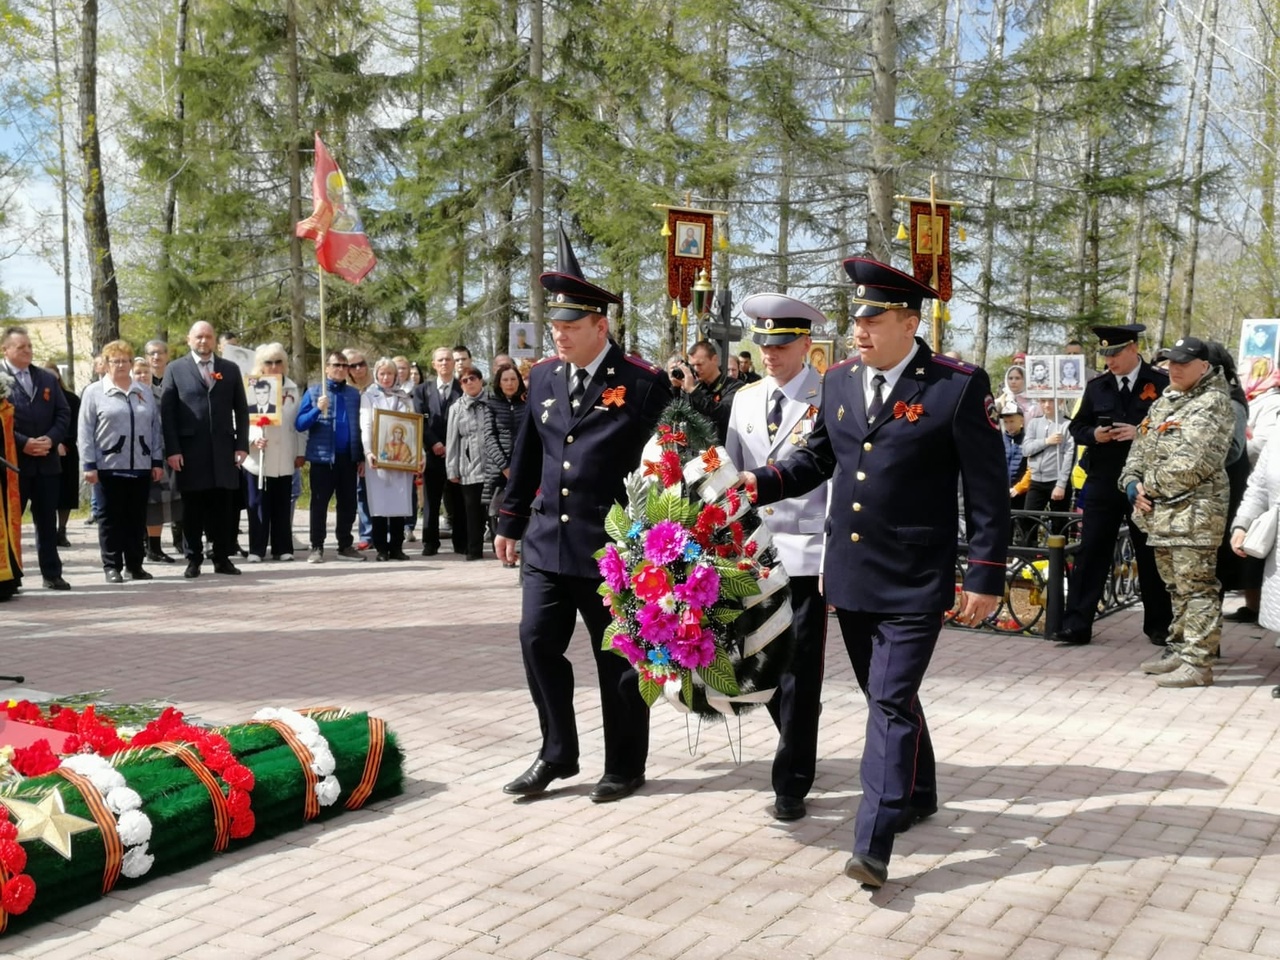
(1086, 812)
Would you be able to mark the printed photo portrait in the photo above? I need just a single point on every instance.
(397, 439)
(262, 391)
(1071, 375)
(522, 341)
(1039, 377)
(691, 239)
(1259, 339)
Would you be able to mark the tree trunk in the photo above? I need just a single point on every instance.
(537, 215)
(64, 189)
(1197, 171)
(170, 211)
(985, 279)
(297, 298)
(1171, 258)
(97, 232)
(884, 98)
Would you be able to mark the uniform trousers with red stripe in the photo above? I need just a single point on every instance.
(890, 653)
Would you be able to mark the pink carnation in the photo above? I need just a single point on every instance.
(613, 569)
(664, 543)
(694, 649)
(623, 643)
(656, 626)
(701, 588)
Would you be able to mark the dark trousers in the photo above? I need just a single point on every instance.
(209, 514)
(437, 488)
(550, 602)
(122, 531)
(327, 481)
(469, 517)
(388, 533)
(1040, 497)
(798, 702)
(42, 491)
(270, 516)
(1105, 508)
(890, 653)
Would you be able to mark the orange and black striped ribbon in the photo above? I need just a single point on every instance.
(4, 878)
(102, 815)
(221, 813)
(372, 764)
(310, 803)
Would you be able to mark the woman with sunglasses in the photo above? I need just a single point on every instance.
(275, 451)
(464, 459)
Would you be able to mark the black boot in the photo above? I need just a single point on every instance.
(155, 553)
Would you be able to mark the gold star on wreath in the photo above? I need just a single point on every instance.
(47, 820)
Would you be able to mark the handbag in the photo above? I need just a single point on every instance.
(1260, 538)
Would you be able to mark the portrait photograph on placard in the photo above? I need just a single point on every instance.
(1258, 343)
(1071, 375)
(263, 392)
(1039, 377)
(397, 439)
(821, 354)
(521, 340)
(691, 239)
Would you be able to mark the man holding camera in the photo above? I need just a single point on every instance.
(709, 390)
(1111, 408)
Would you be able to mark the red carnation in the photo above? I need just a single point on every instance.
(35, 760)
(8, 830)
(26, 711)
(12, 856)
(263, 421)
(669, 470)
(18, 894)
(238, 776)
(238, 803)
(242, 826)
(66, 721)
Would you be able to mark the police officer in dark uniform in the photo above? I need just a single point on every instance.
(1110, 410)
(590, 411)
(900, 428)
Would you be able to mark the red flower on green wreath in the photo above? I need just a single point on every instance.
(19, 890)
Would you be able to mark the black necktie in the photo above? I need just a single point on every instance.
(579, 387)
(1125, 392)
(775, 414)
(877, 398)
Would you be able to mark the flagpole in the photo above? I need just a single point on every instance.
(324, 357)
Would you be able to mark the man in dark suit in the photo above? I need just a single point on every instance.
(590, 411)
(901, 429)
(41, 421)
(1113, 405)
(206, 438)
(433, 398)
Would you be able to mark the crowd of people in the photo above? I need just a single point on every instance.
(181, 445)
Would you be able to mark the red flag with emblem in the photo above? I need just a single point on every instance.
(334, 224)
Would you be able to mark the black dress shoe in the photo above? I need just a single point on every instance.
(227, 567)
(1159, 639)
(537, 777)
(159, 556)
(56, 583)
(113, 575)
(613, 787)
(139, 574)
(868, 871)
(913, 816)
(398, 555)
(1243, 615)
(381, 557)
(64, 542)
(1073, 637)
(192, 571)
(430, 551)
(788, 808)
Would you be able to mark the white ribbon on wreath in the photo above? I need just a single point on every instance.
(132, 825)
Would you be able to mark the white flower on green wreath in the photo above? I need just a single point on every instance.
(308, 732)
(132, 825)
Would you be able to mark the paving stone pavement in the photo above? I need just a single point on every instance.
(1086, 813)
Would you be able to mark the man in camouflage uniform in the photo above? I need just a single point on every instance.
(1176, 480)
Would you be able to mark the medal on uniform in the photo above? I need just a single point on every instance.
(546, 415)
(840, 412)
(548, 403)
(749, 428)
